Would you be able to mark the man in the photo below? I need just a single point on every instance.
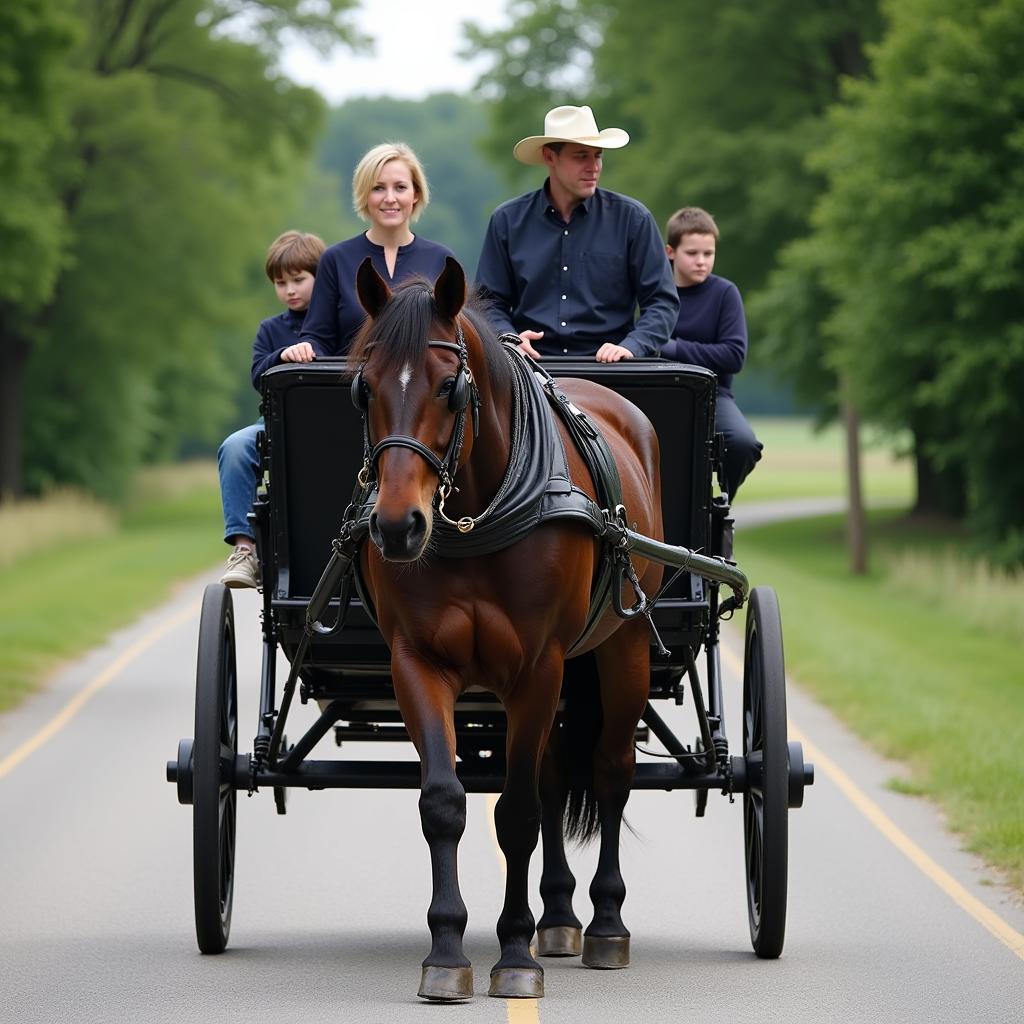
(567, 265)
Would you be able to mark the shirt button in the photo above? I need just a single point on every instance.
(565, 351)
(565, 268)
(565, 296)
(563, 323)
(565, 232)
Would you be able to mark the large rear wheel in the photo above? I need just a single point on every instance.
(765, 748)
(214, 802)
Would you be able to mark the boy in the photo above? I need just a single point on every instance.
(291, 265)
(711, 331)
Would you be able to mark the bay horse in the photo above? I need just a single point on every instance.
(438, 391)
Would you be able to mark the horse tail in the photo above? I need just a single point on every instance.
(582, 719)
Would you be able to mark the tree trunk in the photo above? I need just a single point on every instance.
(856, 532)
(13, 357)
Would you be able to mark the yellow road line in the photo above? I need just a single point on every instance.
(520, 1011)
(111, 672)
(1002, 930)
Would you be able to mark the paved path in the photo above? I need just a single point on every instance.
(887, 917)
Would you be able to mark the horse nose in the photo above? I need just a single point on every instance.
(399, 538)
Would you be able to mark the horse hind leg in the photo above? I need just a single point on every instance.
(624, 665)
(559, 931)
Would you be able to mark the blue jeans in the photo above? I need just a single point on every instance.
(238, 465)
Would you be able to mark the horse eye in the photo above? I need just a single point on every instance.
(446, 388)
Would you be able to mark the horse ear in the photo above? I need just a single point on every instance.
(450, 289)
(371, 288)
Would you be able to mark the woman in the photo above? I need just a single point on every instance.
(390, 191)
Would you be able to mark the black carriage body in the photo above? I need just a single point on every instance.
(311, 453)
(314, 450)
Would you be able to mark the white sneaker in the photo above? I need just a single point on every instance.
(242, 570)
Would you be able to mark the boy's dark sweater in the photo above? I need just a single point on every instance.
(275, 334)
(711, 330)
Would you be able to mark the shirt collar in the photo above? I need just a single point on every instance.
(545, 198)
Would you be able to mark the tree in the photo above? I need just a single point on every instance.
(35, 36)
(921, 238)
(169, 180)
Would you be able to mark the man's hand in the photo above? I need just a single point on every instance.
(609, 353)
(300, 353)
(525, 337)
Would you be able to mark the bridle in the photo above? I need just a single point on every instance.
(464, 397)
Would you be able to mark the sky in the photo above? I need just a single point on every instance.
(415, 42)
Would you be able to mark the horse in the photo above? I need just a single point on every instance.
(437, 389)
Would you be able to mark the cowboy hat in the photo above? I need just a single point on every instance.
(568, 124)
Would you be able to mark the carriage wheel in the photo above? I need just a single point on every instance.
(214, 797)
(766, 802)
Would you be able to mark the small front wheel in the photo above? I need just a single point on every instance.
(214, 802)
(765, 748)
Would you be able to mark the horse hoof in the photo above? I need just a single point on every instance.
(446, 984)
(561, 941)
(517, 983)
(606, 952)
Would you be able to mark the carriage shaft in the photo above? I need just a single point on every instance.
(715, 569)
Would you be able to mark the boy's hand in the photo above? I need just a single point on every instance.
(300, 353)
(610, 353)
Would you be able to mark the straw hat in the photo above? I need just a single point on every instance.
(568, 124)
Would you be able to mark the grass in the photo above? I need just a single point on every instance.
(911, 658)
(797, 463)
(76, 585)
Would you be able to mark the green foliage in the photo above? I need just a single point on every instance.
(35, 36)
(185, 153)
(723, 103)
(443, 130)
(920, 243)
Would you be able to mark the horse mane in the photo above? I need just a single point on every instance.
(399, 335)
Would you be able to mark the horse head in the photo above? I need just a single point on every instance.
(416, 391)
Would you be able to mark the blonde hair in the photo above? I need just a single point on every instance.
(293, 252)
(368, 171)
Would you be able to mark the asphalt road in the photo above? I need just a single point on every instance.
(889, 921)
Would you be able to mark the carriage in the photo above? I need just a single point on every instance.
(315, 457)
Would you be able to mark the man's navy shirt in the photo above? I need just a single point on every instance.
(579, 282)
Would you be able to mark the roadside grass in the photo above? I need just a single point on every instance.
(912, 657)
(71, 589)
(799, 463)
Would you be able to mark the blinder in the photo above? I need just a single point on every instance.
(360, 399)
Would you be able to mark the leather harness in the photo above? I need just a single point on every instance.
(537, 488)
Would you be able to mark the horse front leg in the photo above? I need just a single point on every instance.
(517, 975)
(427, 705)
(624, 669)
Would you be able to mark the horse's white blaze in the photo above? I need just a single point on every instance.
(404, 377)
